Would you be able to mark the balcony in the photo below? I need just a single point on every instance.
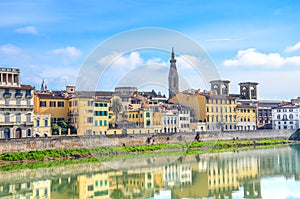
(15, 106)
(28, 95)
(18, 95)
(7, 95)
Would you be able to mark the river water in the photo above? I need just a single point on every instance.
(256, 173)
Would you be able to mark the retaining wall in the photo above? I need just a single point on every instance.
(29, 144)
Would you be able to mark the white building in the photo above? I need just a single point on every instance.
(286, 117)
(16, 105)
(170, 121)
(184, 119)
(176, 119)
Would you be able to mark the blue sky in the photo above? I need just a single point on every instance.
(247, 40)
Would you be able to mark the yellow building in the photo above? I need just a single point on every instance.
(246, 117)
(220, 112)
(54, 103)
(217, 111)
(142, 117)
(89, 115)
(194, 100)
(42, 125)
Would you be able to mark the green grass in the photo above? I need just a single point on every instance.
(108, 151)
(103, 154)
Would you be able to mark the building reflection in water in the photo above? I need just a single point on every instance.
(192, 176)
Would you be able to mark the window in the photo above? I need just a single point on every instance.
(46, 122)
(42, 103)
(90, 103)
(37, 121)
(96, 123)
(291, 116)
(90, 188)
(53, 120)
(28, 118)
(28, 93)
(7, 118)
(28, 132)
(29, 102)
(105, 123)
(18, 102)
(6, 102)
(60, 104)
(52, 103)
(100, 122)
(90, 120)
(148, 123)
(18, 118)
(278, 117)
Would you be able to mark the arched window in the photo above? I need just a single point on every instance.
(278, 117)
(291, 116)
(28, 133)
(6, 133)
(284, 117)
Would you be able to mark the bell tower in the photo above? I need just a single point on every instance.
(173, 76)
(248, 90)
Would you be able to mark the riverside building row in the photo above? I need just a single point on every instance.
(27, 112)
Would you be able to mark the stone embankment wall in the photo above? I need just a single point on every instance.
(29, 144)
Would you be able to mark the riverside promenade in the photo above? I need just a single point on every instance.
(75, 142)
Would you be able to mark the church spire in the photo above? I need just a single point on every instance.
(43, 86)
(173, 76)
(173, 60)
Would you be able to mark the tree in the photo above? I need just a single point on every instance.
(116, 107)
(55, 129)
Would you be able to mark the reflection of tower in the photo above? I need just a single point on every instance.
(252, 189)
(248, 90)
(173, 76)
(220, 87)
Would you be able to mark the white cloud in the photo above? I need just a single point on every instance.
(156, 63)
(68, 54)
(293, 48)
(116, 61)
(252, 58)
(10, 50)
(27, 30)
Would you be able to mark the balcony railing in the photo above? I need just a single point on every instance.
(18, 95)
(16, 106)
(28, 95)
(6, 95)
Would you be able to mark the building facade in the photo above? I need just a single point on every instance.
(42, 125)
(286, 117)
(246, 117)
(220, 112)
(16, 105)
(89, 115)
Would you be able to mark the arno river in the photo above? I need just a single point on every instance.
(258, 173)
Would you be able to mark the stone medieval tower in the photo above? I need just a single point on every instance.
(173, 76)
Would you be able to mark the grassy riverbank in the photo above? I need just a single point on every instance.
(46, 155)
(51, 158)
